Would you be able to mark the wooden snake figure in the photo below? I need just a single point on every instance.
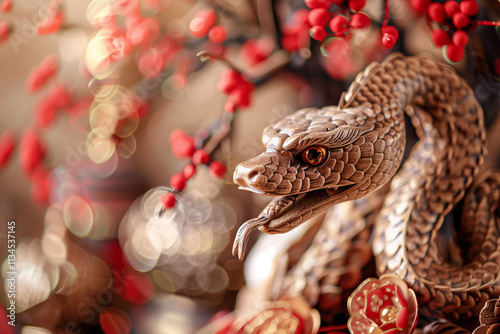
(316, 158)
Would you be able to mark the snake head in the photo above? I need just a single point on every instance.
(314, 159)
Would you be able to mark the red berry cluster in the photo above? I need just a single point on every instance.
(204, 23)
(183, 146)
(254, 51)
(319, 17)
(296, 31)
(451, 22)
(237, 88)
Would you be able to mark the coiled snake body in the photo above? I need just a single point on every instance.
(316, 158)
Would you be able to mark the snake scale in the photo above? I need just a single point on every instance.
(342, 156)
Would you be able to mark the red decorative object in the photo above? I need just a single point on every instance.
(318, 17)
(182, 144)
(238, 89)
(296, 31)
(168, 200)
(41, 185)
(420, 5)
(114, 321)
(178, 182)
(451, 7)
(460, 38)
(360, 20)
(151, 63)
(436, 12)
(189, 171)
(469, 7)
(318, 4)
(460, 20)
(356, 5)
(440, 37)
(6, 6)
(217, 168)
(7, 145)
(217, 34)
(52, 22)
(286, 315)
(255, 51)
(31, 151)
(41, 74)
(4, 31)
(202, 23)
(388, 41)
(318, 33)
(454, 52)
(201, 157)
(384, 305)
(339, 24)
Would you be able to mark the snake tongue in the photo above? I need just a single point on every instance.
(284, 214)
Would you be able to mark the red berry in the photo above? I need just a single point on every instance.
(388, 41)
(4, 31)
(45, 113)
(440, 37)
(496, 65)
(41, 74)
(318, 17)
(182, 144)
(202, 22)
(50, 24)
(451, 7)
(229, 106)
(40, 188)
(391, 30)
(460, 38)
(201, 157)
(189, 171)
(217, 34)
(318, 33)
(436, 12)
(356, 5)
(360, 20)
(178, 182)
(151, 63)
(6, 6)
(469, 7)
(420, 5)
(339, 24)
(255, 51)
(229, 79)
(318, 4)
(454, 53)
(59, 95)
(7, 144)
(31, 151)
(168, 200)
(460, 20)
(241, 94)
(217, 168)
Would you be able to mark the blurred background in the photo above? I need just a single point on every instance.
(91, 93)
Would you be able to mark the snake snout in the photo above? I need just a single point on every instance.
(249, 176)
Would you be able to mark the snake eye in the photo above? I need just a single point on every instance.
(314, 155)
